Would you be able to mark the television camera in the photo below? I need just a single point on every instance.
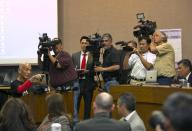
(45, 44)
(145, 28)
(95, 46)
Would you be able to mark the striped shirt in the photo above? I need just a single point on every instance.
(137, 68)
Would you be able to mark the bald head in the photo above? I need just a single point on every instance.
(24, 71)
(104, 101)
(24, 65)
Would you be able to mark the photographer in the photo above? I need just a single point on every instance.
(165, 62)
(140, 61)
(111, 63)
(61, 68)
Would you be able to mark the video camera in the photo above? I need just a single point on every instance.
(124, 46)
(95, 41)
(46, 43)
(145, 28)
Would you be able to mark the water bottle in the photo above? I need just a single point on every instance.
(183, 82)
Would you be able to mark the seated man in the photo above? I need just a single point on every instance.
(126, 107)
(184, 70)
(103, 106)
(23, 81)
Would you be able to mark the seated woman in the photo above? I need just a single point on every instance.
(56, 113)
(15, 116)
(24, 80)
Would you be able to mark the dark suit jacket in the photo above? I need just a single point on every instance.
(89, 66)
(102, 122)
(190, 79)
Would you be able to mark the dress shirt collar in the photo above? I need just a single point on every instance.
(187, 77)
(129, 115)
(84, 53)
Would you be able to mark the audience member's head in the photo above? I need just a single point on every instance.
(126, 104)
(144, 43)
(184, 67)
(15, 116)
(103, 103)
(107, 40)
(177, 110)
(157, 120)
(24, 71)
(55, 105)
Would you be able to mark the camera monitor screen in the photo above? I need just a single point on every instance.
(140, 16)
(22, 22)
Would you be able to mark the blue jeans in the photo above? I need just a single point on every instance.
(162, 80)
(75, 100)
(110, 83)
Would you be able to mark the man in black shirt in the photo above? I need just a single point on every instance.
(110, 67)
(24, 80)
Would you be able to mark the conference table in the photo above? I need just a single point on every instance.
(148, 97)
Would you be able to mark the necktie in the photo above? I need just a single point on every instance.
(83, 63)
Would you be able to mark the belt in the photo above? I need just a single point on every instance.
(132, 77)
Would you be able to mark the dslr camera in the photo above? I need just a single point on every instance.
(145, 28)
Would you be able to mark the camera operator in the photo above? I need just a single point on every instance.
(165, 62)
(83, 61)
(111, 63)
(61, 69)
(140, 61)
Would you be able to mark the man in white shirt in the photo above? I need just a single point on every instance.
(141, 61)
(126, 107)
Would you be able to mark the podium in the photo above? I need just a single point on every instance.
(148, 98)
